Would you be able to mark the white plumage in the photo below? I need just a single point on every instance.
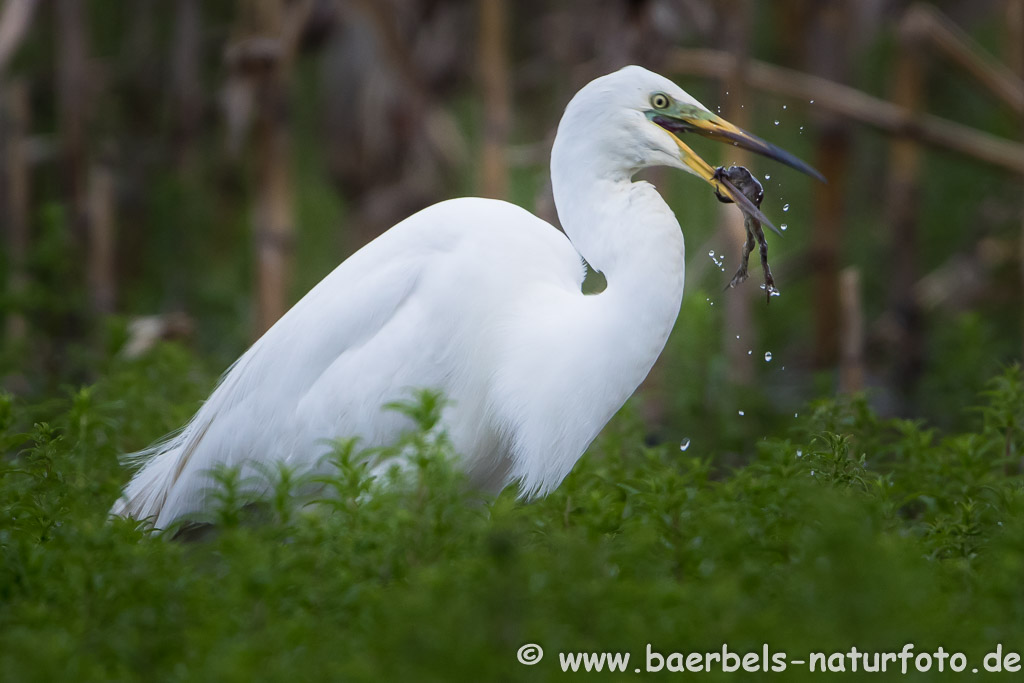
(478, 299)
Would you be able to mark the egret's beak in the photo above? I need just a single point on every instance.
(690, 119)
(681, 119)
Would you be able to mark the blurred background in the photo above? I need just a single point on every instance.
(185, 171)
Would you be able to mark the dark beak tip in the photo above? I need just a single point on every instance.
(809, 170)
(802, 166)
(787, 158)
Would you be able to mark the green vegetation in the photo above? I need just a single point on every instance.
(807, 526)
(846, 530)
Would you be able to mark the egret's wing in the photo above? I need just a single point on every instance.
(252, 410)
(419, 307)
(412, 309)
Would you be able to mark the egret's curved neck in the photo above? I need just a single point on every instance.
(622, 228)
(609, 341)
(600, 347)
(625, 230)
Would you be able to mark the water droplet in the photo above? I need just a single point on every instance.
(727, 92)
(776, 122)
(783, 227)
(785, 207)
(711, 253)
(801, 129)
(767, 177)
(812, 473)
(684, 444)
(796, 414)
(812, 101)
(737, 336)
(750, 352)
(767, 356)
(799, 453)
(741, 413)
(783, 106)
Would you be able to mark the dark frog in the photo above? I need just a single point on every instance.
(744, 181)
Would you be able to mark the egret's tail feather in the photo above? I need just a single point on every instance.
(145, 495)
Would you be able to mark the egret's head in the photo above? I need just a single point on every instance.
(636, 119)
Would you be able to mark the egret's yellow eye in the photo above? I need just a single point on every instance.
(659, 100)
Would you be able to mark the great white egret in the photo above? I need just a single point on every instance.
(481, 300)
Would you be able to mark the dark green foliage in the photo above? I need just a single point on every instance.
(850, 530)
